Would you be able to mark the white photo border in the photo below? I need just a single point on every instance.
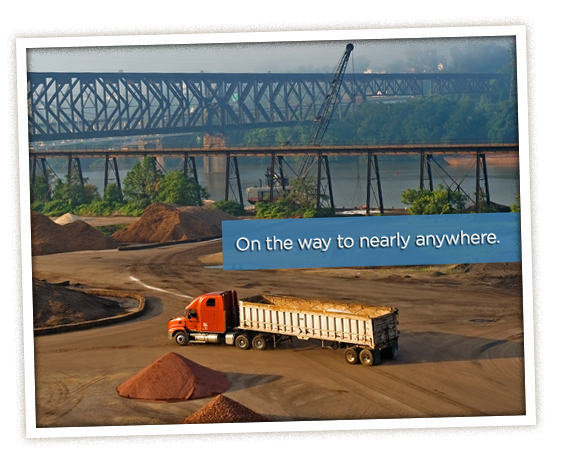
(519, 32)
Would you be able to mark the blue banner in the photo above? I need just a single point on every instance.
(371, 241)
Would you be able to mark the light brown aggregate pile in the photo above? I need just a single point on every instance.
(225, 410)
(49, 237)
(67, 218)
(57, 305)
(166, 222)
(174, 378)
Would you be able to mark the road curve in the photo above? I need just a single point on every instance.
(461, 349)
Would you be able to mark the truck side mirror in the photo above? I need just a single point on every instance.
(192, 314)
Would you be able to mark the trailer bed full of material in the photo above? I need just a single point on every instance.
(360, 325)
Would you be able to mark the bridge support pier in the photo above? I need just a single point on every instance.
(71, 162)
(323, 160)
(214, 164)
(425, 167)
(480, 176)
(43, 166)
(111, 164)
(373, 168)
(273, 178)
(481, 167)
(232, 166)
(190, 166)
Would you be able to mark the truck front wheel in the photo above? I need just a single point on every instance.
(181, 338)
(243, 342)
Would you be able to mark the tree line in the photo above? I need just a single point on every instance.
(435, 119)
(144, 184)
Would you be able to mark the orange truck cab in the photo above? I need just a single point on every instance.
(209, 318)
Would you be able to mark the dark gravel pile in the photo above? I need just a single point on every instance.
(58, 305)
(225, 410)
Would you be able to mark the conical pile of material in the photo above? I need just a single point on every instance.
(67, 219)
(174, 378)
(49, 237)
(225, 410)
(162, 223)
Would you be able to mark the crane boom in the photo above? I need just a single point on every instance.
(326, 110)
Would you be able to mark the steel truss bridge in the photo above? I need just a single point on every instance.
(72, 106)
(427, 154)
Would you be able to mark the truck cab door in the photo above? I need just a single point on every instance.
(192, 320)
(212, 314)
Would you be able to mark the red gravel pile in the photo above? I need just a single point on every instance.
(174, 378)
(166, 222)
(225, 410)
(57, 305)
(49, 237)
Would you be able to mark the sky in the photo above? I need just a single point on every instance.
(245, 57)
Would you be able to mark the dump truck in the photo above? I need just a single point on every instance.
(366, 333)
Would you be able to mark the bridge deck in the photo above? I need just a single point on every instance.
(432, 149)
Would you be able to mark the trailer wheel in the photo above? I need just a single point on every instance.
(181, 338)
(368, 357)
(351, 355)
(259, 342)
(243, 342)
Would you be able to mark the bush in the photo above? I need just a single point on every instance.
(175, 188)
(299, 201)
(439, 201)
(516, 207)
(231, 207)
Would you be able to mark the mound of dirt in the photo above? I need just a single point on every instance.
(162, 223)
(174, 378)
(225, 410)
(49, 237)
(57, 305)
(67, 218)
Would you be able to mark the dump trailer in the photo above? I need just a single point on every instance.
(367, 333)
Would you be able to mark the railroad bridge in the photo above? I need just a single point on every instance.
(74, 106)
(427, 153)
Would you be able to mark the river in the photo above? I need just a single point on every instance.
(349, 179)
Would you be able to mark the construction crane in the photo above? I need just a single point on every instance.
(318, 129)
(325, 113)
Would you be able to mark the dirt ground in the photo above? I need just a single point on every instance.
(460, 353)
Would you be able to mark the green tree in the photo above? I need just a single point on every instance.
(516, 207)
(299, 201)
(141, 184)
(439, 201)
(303, 193)
(72, 192)
(67, 196)
(113, 194)
(503, 125)
(231, 207)
(175, 188)
(40, 190)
